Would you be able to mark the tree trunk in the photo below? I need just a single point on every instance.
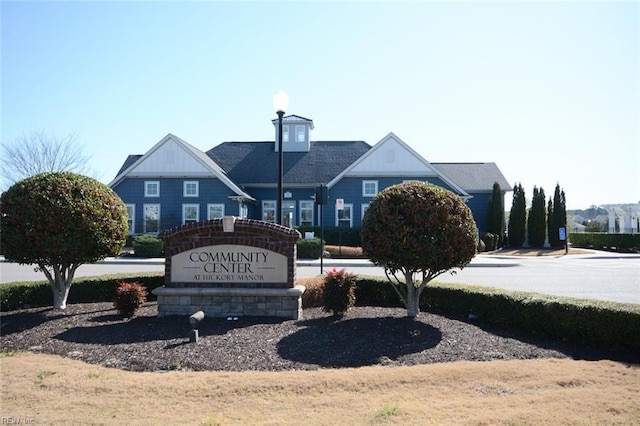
(60, 278)
(413, 301)
(60, 294)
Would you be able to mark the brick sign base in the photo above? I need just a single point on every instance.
(246, 268)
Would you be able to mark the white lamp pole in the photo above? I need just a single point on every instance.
(280, 103)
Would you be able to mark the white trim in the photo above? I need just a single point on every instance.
(350, 207)
(144, 217)
(189, 206)
(148, 183)
(363, 209)
(209, 210)
(364, 185)
(275, 206)
(308, 208)
(391, 136)
(132, 218)
(187, 183)
(196, 154)
(299, 127)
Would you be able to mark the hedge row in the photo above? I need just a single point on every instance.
(600, 240)
(605, 324)
(83, 290)
(335, 236)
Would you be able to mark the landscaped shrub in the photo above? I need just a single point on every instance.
(85, 290)
(129, 298)
(312, 296)
(602, 240)
(345, 252)
(338, 293)
(309, 249)
(490, 241)
(147, 246)
(334, 235)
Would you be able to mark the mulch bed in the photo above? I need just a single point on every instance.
(95, 333)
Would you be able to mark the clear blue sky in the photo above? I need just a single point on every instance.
(550, 91)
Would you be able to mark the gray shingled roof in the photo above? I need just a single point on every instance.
(257, 162)
(128, 162)
(474, 177)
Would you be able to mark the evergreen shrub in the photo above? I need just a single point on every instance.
(309, 249)
(147, 246)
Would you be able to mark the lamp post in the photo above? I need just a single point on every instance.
(280, 103)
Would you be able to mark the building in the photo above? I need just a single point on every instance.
(175, 183)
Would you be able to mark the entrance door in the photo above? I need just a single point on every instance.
(289, 213)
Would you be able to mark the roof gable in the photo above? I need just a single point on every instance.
(393, 157)
(173, 157)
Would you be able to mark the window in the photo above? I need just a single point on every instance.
(369, 188)
(152, 188)
(344, 217)
(364, 210)
(269, 211)
(151, 223)
(215, 211)
(300, 136)
(285, 133)
(306, 213)
(131, 212)
(190, 213)
(244, 211)
(191, 188)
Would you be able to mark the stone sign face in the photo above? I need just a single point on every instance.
(226, 263)
(230, 267)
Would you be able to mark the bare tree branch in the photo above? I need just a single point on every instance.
(38, 152)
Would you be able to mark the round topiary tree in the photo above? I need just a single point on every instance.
(60, 221)
(418, 228)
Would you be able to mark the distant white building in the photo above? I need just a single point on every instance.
(627, 216)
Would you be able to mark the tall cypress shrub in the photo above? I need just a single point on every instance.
(537, 223)
(517, 217)
(557, 217)
(495, 214)
(552, 231)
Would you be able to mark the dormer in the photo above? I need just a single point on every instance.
(295, 133)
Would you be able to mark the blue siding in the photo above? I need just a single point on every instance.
(479, 205)
(171, 199)
(350, 189)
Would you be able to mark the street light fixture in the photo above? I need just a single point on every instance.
(280, 104)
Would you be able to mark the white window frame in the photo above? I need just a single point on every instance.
(300, 133)
(265, 209)
(244, 211)
(184, 213)
(131, 212)
(144, 219)
(306, 206)
(209, 215)
(288, 207)
(365, 184)
(148, 184)
(285, 133)
(363, 209)
(186, 184)
(346, 207)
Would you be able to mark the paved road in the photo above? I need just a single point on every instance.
(602, 276)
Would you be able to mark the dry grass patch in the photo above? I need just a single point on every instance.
(53, 390)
